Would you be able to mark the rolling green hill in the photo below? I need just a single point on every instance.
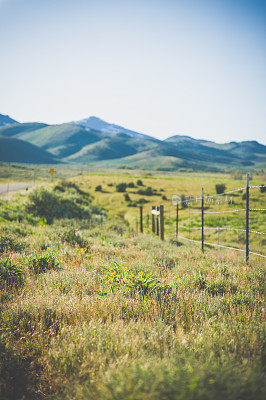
(16, 150)
(19, 129)
(79, 142)
(61, 140)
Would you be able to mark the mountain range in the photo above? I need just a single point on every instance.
(106, 145)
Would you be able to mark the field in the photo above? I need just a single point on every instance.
(92, 309)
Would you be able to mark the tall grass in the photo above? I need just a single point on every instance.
(105, 313)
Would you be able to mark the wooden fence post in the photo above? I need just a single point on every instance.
(161, 223)
(141, 219)
(247, 219)
(176, 229)
(157, 221)
(153, 220)
(202, 220)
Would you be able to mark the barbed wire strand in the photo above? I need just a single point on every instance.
(221, 245)
(225, 228)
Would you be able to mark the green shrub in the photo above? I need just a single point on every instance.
(121, 187)
(263, 188)
(127, 198)
(59, 188)
(10, 274)
(98, 188)
(147, 191)
(45, 204)
(139, 182)
(42, 262)
(142, 201)
(9, 243)
(73, 238)
(131, 185)
(164, 197)
(220, 188)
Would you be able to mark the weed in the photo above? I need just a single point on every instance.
(10, 274)
(10, 243)
(40, 263)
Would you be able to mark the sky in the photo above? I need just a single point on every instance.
(160, 67)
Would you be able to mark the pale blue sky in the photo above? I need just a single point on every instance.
(161, 67)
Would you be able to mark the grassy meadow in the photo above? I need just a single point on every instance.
(92, 309)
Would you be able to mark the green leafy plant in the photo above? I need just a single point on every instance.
(10, 274)
(10, 243)
(39, 263)
(74, 239)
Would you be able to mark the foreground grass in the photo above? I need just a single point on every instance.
(104, 313)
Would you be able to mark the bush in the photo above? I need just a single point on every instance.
(10, 274)
(121, 187)
(48, 205)
(127, 198)
(142, 201)
(220, 188)
(9, 243)
(139, 182)
(131, 185)
(164, 197)
(98, 188)
(263, 188)
(42, 262)
(73, 238)
(146, 192)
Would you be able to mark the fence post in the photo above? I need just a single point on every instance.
(247, 219)
(161, 222)
(153, 220)
(141, 218)
(202, 220)
(157, 221)
(176, 229)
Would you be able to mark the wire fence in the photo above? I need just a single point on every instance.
(199, 222)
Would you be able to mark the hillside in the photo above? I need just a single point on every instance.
(16, 150)
(93, 140)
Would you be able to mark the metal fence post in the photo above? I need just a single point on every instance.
(202, 220)
(176, 229)
(247, 219)
(162, 222)
(157, 221)
(153, 220)
(141, 218)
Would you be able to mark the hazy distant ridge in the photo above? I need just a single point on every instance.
(93, 140)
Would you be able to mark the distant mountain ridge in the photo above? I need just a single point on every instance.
(106, 145)
(100, 125)
(6, 120)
